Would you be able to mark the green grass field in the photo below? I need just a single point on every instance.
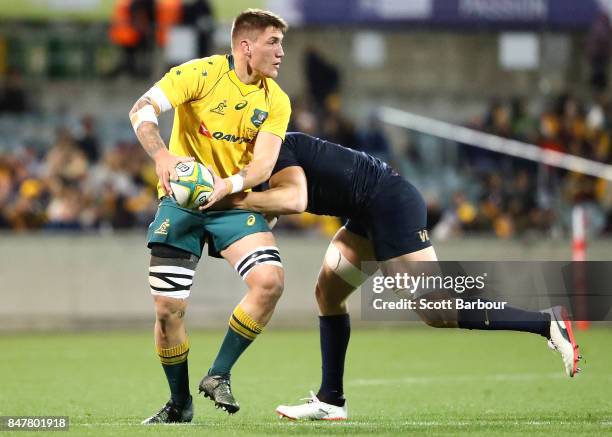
(398, 381)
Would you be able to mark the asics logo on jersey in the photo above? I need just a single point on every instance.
(220, 108)
(241, 105)
(250, 220)
(231, 138)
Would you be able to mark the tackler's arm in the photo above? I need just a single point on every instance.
(288, 194)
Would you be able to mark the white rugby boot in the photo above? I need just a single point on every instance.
(562, 339)
(314, 409)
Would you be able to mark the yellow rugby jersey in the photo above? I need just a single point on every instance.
(217, 117)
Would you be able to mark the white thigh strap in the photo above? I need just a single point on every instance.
(170, 281)
(343, 267)
(261, 255)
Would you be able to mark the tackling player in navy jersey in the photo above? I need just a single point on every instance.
(387, 220)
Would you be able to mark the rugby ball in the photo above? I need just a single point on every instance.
(194, 185)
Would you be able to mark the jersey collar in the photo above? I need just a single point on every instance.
(243, 87)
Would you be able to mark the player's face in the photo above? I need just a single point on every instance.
(267, 52)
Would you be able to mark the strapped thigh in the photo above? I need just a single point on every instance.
(171, 271)
(342, 267)
(261, 255)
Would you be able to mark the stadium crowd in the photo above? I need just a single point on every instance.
(513, 196)
(79, 183)
(76, 184)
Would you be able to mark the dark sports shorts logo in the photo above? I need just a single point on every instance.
(423, 235)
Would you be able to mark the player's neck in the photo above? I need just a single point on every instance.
(245, 73)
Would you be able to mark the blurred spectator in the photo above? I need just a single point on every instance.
(521, 202)
(128, 180)
(335, 126)
(571, 122)
(110, 175)
(598, 50)
(88, 140)
(13, 95)
(457, 217)
(596, 115)
(65, 159)
(323, 78)
(65, 205)
(338, 129)
(523, 126)
(199, 15)
(499, 121)
(495, 121)
(374, 141)
(550, 132)
(133, 29)
(28, 208)
(303, 118)
(167, 14)
(6, 191)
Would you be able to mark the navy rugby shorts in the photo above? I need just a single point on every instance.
(395, 219)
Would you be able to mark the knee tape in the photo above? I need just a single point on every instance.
(343, 267)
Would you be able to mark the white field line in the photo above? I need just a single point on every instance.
(355, 424)
(446, 379)
(501, 377)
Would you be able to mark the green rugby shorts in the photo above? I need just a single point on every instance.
(190, 229)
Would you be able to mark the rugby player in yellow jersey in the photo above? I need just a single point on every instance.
(231, 116)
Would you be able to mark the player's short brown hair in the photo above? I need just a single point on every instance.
(256, 19)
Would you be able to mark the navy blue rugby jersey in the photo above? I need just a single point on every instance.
(340, 180)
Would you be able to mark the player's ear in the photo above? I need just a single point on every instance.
(245, 46)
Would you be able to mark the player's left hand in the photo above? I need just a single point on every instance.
(220, 190)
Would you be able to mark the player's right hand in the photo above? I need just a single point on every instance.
(165, 167)
(220, 190)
